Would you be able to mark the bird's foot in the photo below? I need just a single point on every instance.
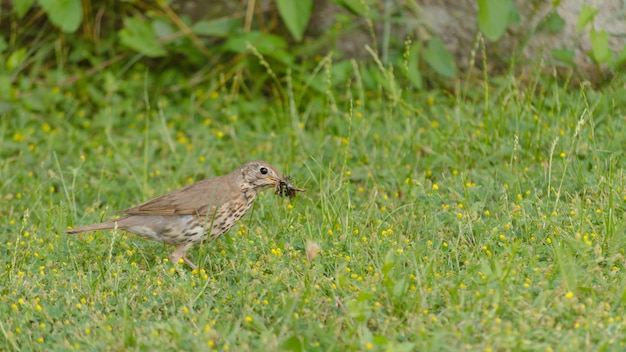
(179, 260)
(191, 265)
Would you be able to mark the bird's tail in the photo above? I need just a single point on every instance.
(109, 225)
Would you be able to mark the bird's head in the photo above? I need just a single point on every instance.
(260, 175)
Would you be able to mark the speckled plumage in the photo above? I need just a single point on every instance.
(205, 209)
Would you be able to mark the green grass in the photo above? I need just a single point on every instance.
(490, 220)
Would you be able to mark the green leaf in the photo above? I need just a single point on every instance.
(600, 46)
(216, 28)
(292, 344)
(380, 340)
(266, 44)
(296, 15)
(440, 59)
(16, 59)
(494, 16)
(139, 36)
(263, 42)
(22, 6)
(413, 71)
(564, 55)
(355, 6)
(162, 28)
(65, 14)
(553, 22)
(364, 296)
(514, 17)
(587, 13)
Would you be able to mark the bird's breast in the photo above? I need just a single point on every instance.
(228, 214)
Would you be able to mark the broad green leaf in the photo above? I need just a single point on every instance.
(440, 59)
(65, 14)
(266, 44)
(493, 17)
(380, 340)
(16, 59)
(514, 17)
(364, 296)
(413, 71)
(162, 28)
(600, 46)
(22, 6)
(564, 55)
(587, 13)
(138, 35)
(296, 15)
(263, 42)
(553, 22)
(292, 344)
(216, 28)
(355, 6)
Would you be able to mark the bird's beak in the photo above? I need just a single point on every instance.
(272, 179)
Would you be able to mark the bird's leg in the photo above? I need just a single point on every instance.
(191, 265)
(179, 253)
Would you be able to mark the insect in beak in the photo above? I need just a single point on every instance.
(284, 188)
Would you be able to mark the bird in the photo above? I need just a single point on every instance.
(203, 210)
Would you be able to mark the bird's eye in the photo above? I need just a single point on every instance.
(264, 170)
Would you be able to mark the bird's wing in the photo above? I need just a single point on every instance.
(195, 199)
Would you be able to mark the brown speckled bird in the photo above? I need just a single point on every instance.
(203, 209)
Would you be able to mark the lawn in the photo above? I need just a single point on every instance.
(488, 219)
